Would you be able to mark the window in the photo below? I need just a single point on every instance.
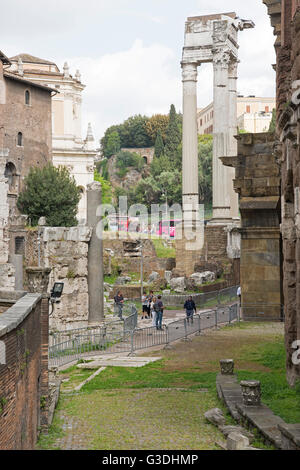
(20, 139)
(11, 174)
(27, 97)
(145, 160)
(19, 245)
(248, 109)
(267, 109)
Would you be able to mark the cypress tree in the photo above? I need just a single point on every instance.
(173, 135)
(159, 145)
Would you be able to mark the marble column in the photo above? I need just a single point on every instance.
(190, 185)
(222, 180)
(95, 255)
(232, 129)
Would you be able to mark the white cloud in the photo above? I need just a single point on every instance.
(141, 80)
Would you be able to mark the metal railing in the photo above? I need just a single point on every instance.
(134, 339)
(218, 297)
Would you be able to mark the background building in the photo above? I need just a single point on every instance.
(68, 147)
(254, 115)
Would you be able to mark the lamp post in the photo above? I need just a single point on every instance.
(142, 271)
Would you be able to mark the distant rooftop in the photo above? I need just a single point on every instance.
(4, 59)
(30, 59)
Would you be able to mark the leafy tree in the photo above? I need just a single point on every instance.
(106, 188)
(205, 150)
(155, 124)
(113, 144)
(173, 134)
(160, 164)
(159, 145)
(272, 127)
(50, 192)
(102, 168)
(126, 159)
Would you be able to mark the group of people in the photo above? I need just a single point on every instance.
(153, 307)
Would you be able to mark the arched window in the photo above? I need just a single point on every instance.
(27, 97)
(20, 139)
(11, 174)
(145, 160)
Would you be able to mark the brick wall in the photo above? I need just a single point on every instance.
(34, 121)
(22, 330)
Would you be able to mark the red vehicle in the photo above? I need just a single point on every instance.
(168, 227)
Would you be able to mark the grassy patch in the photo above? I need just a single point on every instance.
(153, 375)
(163, 251)
(55, 432)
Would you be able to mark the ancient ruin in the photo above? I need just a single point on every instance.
(211, 38)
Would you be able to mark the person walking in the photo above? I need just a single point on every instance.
(119, 303)
(159, 309)
(190, 308)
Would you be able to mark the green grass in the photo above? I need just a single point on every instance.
(47, 441)
(150, 376)
(163, 251)
(283, 400)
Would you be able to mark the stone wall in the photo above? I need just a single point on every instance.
(214, 250)
(126, 256)
(285, 18)
(65, 250)
(258, 184)
(21, 402)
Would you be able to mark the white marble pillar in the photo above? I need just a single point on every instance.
(233, 130)
(190, 185)
(221, 177)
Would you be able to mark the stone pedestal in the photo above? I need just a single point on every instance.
(227, 366)
(251, 392)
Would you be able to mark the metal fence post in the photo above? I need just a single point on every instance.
(167, 346)
(216, 319)
(132, 343)
(199, 325)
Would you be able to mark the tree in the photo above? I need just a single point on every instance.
(157, 123)
(272, 127)
(205, 149)
(159, 145)
(50, 192)
(113, 145)
(106, 188)
(173, 134)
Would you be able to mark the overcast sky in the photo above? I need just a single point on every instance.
(129, 51)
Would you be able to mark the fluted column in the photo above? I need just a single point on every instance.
(190, 185)
(232, 148)
(221, 176)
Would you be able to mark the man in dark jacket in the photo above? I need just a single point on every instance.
(119, 302)
(190, 308)
(159, 309)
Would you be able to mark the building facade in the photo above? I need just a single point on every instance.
(69, 149)
(254, 115)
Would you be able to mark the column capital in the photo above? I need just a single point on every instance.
(189, 72)
(221, 58)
